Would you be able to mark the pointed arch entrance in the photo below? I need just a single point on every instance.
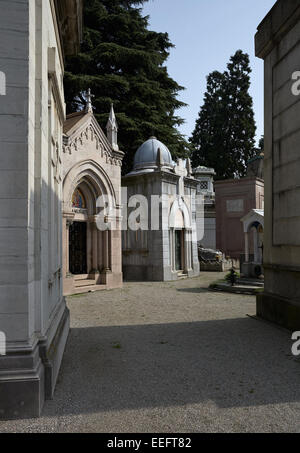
(89, 262)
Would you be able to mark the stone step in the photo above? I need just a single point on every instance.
(81, 277)
(86, 282)
(248, 282)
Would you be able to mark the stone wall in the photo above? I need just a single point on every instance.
(33, 313)
(277, 42)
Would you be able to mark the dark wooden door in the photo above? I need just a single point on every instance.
(77, 249)
(178, 250)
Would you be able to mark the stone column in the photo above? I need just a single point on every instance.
(255, 244)
(89, 247)
(66, 245)
(100, 249)
(173, 248)
(170, 249)
(106, 251)
(188, 244)
(186, 263)
(246, 247)
(95, 247)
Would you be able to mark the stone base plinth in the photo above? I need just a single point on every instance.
(22, 385)
(251, 270)
(282, 311)
(111, 279)
(28, 376)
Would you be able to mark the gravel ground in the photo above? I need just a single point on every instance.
(171, 357)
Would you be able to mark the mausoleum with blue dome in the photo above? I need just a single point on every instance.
(146, 156)
(167, 249)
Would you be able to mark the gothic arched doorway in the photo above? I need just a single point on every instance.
(88, 251)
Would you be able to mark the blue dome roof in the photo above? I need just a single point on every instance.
(146, 155)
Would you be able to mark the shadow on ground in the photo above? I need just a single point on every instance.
(194, 290)
(233, 362)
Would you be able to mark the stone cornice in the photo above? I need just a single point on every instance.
(167, 176)
(52, 74)
(163, 176)
(246, 179)
(69, 18)
(190, 182)
(282, 17)
(281, 267)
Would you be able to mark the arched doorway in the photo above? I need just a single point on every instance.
(253, 224)
(78, 235)
(180, 238)
(88, 251)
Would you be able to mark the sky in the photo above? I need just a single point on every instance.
(206, 33)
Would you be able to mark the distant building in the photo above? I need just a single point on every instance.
(205, 188)
(170, 251)
(234, 199)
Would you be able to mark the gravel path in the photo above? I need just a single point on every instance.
(171, 357)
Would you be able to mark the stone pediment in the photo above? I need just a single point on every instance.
(81, 128)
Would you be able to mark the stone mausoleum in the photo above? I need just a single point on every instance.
(91, 168)
(169, 251)
(235, 198)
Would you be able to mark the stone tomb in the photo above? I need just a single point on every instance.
(168, 252)
(91, 169)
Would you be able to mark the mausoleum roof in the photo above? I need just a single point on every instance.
(147, 155)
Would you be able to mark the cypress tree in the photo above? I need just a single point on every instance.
(225, 130)
(124, 63)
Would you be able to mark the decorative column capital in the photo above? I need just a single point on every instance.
(69, 222)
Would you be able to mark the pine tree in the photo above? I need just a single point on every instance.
(224, 134)
(261, 144)
(124, 63)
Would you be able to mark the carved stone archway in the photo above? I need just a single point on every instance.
(180, 231)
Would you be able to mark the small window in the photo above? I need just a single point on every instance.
(203, 185)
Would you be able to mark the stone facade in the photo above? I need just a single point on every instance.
(169, 251)
(253, 226)
(207, 236)
(33, 313)
(277, 43)
(234, 199)
(91, 169)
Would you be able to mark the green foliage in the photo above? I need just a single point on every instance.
(225, 130)
(228, 276)
(261, 144)
(123, 63)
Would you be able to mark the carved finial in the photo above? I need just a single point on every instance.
(112, 129)
(89, 106)
(159, 159)
(112, 121)
(189, 167)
